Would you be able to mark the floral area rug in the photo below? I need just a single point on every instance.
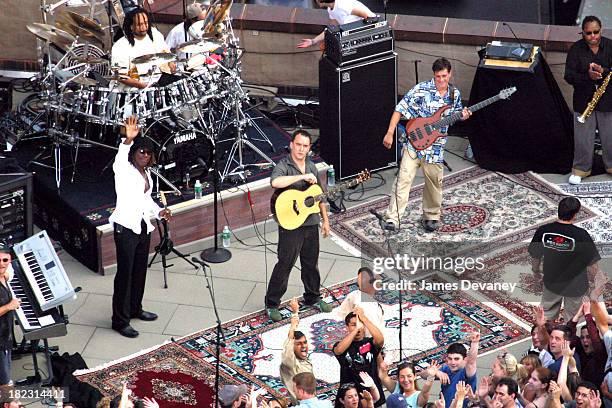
(482, 212)
(598, 197)
(170, 374)
(432, 319)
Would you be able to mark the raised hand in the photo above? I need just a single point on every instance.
(554, 390)
(540, 318)
(131, 128)
(367, 396)
(149, 403)
(443, 377)
(366, 380)
(432, 370)
(440, 402)
(460, 390)
(594, 399)
(483, 387)
(294, 305)
(474, 336)
(566, 350)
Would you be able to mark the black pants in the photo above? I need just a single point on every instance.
(302, 242)
(132, 257)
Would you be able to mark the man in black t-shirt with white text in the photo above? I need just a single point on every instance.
(357, 353)
(568, 252)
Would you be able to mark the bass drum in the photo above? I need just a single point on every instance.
(184, 154)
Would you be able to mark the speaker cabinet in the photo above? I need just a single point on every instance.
(356, 103)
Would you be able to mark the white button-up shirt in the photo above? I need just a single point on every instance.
(133, 202)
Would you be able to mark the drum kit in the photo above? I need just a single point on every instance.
(86, 104)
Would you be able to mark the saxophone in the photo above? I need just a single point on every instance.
(596, 97)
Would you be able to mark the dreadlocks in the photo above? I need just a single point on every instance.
(128, 22)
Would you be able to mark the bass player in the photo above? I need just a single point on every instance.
(422, 101)
(297, 171)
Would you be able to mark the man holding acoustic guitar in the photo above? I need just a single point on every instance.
(423, 101)
(297, 171)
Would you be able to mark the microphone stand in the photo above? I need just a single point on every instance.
(220, 339)
(381, 223)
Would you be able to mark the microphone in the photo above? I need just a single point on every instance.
(200, 262)
(523, 48)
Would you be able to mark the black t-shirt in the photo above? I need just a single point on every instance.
(567, 251)
(361, 356)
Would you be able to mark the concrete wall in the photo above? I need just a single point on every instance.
(271, 57)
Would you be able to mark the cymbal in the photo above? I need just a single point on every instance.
(83, 22)
(116, 77)
(157, 59)
(85, 81)
(51, 33)
(91, 60)
(197, 46)
(83, 33)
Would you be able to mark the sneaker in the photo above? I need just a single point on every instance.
(274, 314)
(322, 306)
(430, 225)
(574, 179)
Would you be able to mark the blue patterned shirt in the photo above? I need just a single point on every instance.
(422, 101)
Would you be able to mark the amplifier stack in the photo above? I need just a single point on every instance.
(357, 95)
(15, 207)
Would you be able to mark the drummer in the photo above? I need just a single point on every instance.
(180, 33)
(139, 39)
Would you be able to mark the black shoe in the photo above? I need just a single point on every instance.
(146, 316)
(430, 225)
(127, 331)
(389, 226)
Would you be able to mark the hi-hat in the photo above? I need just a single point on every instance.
(157, 59)
(83, 22)
(47, 32)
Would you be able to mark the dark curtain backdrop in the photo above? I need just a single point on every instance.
(533, 130)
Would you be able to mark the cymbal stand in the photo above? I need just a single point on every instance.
(240, 121)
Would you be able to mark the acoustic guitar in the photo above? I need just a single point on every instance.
(291, 207)
(423, 132)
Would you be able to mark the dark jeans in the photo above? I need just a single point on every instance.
(302, 242)
(132, 257)
(5, 366)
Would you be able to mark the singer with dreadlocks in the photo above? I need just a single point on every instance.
(139, 39)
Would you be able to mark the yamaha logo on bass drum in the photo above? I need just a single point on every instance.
(184, 137)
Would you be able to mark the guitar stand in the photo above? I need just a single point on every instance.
(164, 248)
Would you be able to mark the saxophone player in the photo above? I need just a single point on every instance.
(588, 63)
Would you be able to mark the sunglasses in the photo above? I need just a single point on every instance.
(591, 32)
(5, 259)
(145, 151)
(347, 386)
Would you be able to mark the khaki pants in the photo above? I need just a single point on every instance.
(551, 303)
(400, 191)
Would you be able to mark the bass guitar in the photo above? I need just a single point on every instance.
(291, 207)
(423, 132)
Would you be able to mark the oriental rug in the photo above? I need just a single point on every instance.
(432, 319)
(482, 211)
(598, 197)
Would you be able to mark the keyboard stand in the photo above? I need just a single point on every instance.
(36, 378)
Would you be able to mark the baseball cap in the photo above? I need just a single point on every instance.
(230, 393)
(396, 401)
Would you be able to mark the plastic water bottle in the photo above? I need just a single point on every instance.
(197, 189)
(331, 176)
(225, 236)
